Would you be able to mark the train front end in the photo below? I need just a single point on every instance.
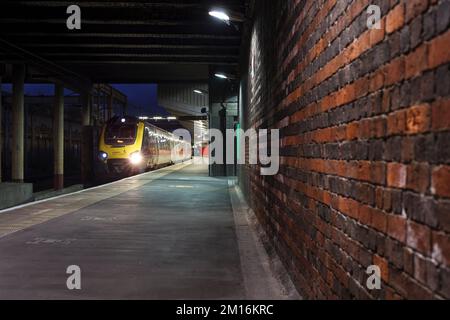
(120, 146)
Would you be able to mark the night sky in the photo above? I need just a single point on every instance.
(142, 98)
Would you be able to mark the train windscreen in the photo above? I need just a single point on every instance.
(120, 134)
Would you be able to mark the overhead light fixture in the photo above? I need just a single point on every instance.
(158, 118)
(200, 91)
(227, 16)
(219, 14)
(221, 76)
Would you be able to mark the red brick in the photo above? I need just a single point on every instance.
(396, 123)
(408, 260)
(407, 149)
(418, 237)
(438, 52)
(397, 175)
(364, 215)
(376, 81)
(396, 228)
(347, 94)
(441, 114)
(418, 177)
(379, 197)
(377, 35)
(383, 265)
(378, 128)
(362, 87)
(341, 133)
(418, 119)
(416, 62)
(394, 139)
(414, 8)
(349, 207)
(391, 295)
(420, 269)
(441, 248)
(378, 173)
(441, 181)
(395, 18)
(386, 101)
(407, 287)
(358, 47)
(379, 220)
(387, 200)
(364, 129)
(394, 71)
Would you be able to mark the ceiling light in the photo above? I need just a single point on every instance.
(221, 76)
(221, 15)
(200, 91)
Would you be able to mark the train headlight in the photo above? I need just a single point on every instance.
(136, 158)
(103, 156)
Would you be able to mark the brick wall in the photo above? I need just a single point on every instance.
(365, 158)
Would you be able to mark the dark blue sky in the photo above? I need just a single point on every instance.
(35, 89)
(142, 96)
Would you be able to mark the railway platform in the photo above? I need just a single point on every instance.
(174, 233)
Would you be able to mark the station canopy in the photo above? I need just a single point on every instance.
(123, 41)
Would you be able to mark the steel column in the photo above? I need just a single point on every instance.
(1, 127)
(87, 140)
(58, 137)
(18, 80)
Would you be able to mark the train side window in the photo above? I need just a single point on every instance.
(146, 140)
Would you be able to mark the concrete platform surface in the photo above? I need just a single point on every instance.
(169, 234)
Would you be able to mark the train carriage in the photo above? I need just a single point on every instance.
(129, 145)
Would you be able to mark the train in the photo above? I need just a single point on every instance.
(129, 145)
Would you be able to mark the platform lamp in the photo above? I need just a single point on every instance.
(228, 16)
(201, 92)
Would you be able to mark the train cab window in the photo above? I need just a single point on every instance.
(120, 134)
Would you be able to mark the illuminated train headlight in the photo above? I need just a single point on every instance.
(103, 156)
(136, 158)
